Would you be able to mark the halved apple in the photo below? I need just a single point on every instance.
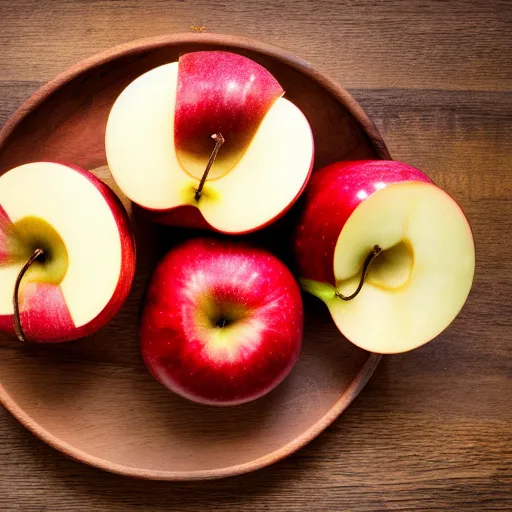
(159, 143)
(421, 273)
(88, 262)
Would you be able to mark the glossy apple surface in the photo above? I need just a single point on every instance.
(219, 92)
(222, 323)
(331, 196)
(89, 252)
(158, 143)
(417, 285)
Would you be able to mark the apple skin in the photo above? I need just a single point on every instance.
(234, 104)
(257, 350)
(331, 196)
(43, 313)
(183, 216)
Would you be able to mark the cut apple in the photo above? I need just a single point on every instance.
(233, 104)
(159, 141)
(419, 281)
(88, 260)
(5, 238)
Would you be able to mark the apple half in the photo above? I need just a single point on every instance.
(87, 264)
(421, 272)
(163, 128)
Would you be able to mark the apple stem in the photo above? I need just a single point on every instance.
(219, 140)
(366, 265)
(38, 253)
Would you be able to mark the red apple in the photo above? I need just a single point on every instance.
(159, 143)
(222, 323)
(419, 281)
(86, 270)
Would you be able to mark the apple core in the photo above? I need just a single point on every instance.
(31, 233)
(392, 269)
(376, 251)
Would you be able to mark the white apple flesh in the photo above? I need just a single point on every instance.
(158, 141)
(89, 253)
(419, 282)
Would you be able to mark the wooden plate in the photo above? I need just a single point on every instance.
(93, 399)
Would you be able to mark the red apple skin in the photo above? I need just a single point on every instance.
(331, 196)
(44, 315)
(233, 104)
(183, 216)
(204, 107)
(174, 343)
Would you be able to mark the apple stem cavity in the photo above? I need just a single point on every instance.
(38, 254)
(219, 140)
(366, 265)
(222, 322)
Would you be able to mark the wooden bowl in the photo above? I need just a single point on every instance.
(94, 399)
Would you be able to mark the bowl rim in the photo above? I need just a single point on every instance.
(374, 138)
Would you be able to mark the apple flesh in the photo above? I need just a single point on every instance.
(419, 282)
(88, 249)
(222, 322)
(159, 140)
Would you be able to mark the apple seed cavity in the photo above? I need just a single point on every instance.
(366, 265)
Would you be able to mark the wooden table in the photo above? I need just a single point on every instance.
(433, 429)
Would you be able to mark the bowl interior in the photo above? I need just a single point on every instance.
(93, 398)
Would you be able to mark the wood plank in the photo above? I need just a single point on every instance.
(374, 462)
(459, 45)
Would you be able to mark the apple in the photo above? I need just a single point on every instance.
(390, 254)
(67, 254)
(209, 141)
(222, 322)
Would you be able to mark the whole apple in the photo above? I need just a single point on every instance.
(390, 254)
(222, 323)
(67, 253)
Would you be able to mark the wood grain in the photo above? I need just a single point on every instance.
(433, 429)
